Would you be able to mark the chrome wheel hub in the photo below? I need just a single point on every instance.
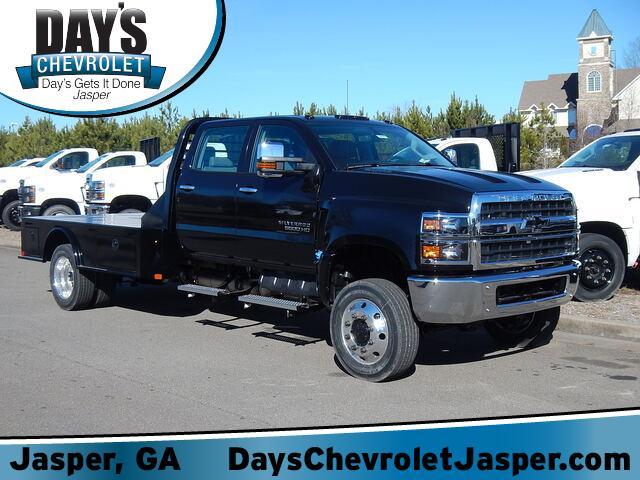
(63, 278)
(365, 332)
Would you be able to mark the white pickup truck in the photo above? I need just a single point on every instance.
(126, 189)
(62, 194)
(55, 164)
(25, 162)
(604, 178)
(474, 153)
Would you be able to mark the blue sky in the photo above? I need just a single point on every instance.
(277, 52)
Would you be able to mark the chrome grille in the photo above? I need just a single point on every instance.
(522, 228)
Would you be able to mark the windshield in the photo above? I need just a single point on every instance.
(92, 163)
(162, 158)
(616, 153)
(354, 145)
(17, 164)
(42, 163)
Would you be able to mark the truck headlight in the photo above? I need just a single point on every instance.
(95, 191)
(444, 238)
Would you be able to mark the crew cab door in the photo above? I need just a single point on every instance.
(277, 215)
(205, 197)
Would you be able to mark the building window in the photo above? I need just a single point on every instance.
(594, 82)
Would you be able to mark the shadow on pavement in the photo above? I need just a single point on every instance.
(162, 300)
(447, 346)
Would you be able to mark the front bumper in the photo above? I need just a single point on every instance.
(96, 209)
(29, 210)
(462, 300)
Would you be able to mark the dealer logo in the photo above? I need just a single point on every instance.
(76, 53)
(102, 58)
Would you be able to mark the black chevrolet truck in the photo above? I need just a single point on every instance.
(357, 216)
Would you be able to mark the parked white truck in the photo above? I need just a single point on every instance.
(604, 178)
(25, 162)
(474, 153)
(55, 164)
(62, 194)
(126, 189)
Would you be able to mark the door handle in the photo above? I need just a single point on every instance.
(248, 190)
(187, 188)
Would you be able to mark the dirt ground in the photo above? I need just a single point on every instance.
(9, 238)
(624, 307)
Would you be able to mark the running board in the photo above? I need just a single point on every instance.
(202, 290)
(280, 303)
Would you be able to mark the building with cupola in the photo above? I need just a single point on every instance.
(598, 98)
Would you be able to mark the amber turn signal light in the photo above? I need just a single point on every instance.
(431, 252)
(267, 165)
(157, 276)
(431, 225)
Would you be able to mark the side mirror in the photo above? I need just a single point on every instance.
(452, 155)
(282, 166)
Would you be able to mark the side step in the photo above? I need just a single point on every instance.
(202, 290)
(281, 303)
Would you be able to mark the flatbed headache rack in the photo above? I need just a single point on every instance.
(505, 140)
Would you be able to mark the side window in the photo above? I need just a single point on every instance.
(465, 155)
(121, 161)
(72, 161)
(220, 149)
(280, 141)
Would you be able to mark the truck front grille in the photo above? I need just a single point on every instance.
(524, 209)
(537, 247)
(521, 229)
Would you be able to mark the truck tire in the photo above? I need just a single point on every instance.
(603, 268)
(54, 210)
(373, 331)
(72, 288)
(11, 215)
(105, 288)
(529, 330)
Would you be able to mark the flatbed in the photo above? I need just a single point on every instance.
(115, 244)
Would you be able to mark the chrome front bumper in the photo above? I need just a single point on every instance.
(96, 209)
(30, 210)
(460, 300)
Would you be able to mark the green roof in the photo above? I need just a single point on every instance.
(595, 24)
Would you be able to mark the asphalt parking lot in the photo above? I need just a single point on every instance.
(155, 363)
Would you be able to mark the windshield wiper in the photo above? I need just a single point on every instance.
(363, 165)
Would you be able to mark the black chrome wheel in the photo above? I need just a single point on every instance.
(598, 268)
(11, 215)
(603, 268)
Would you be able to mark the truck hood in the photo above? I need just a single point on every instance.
(59, 183)
(10, 179)
(115, 173)
(576, 179)
(601, 194)
(474, 181)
